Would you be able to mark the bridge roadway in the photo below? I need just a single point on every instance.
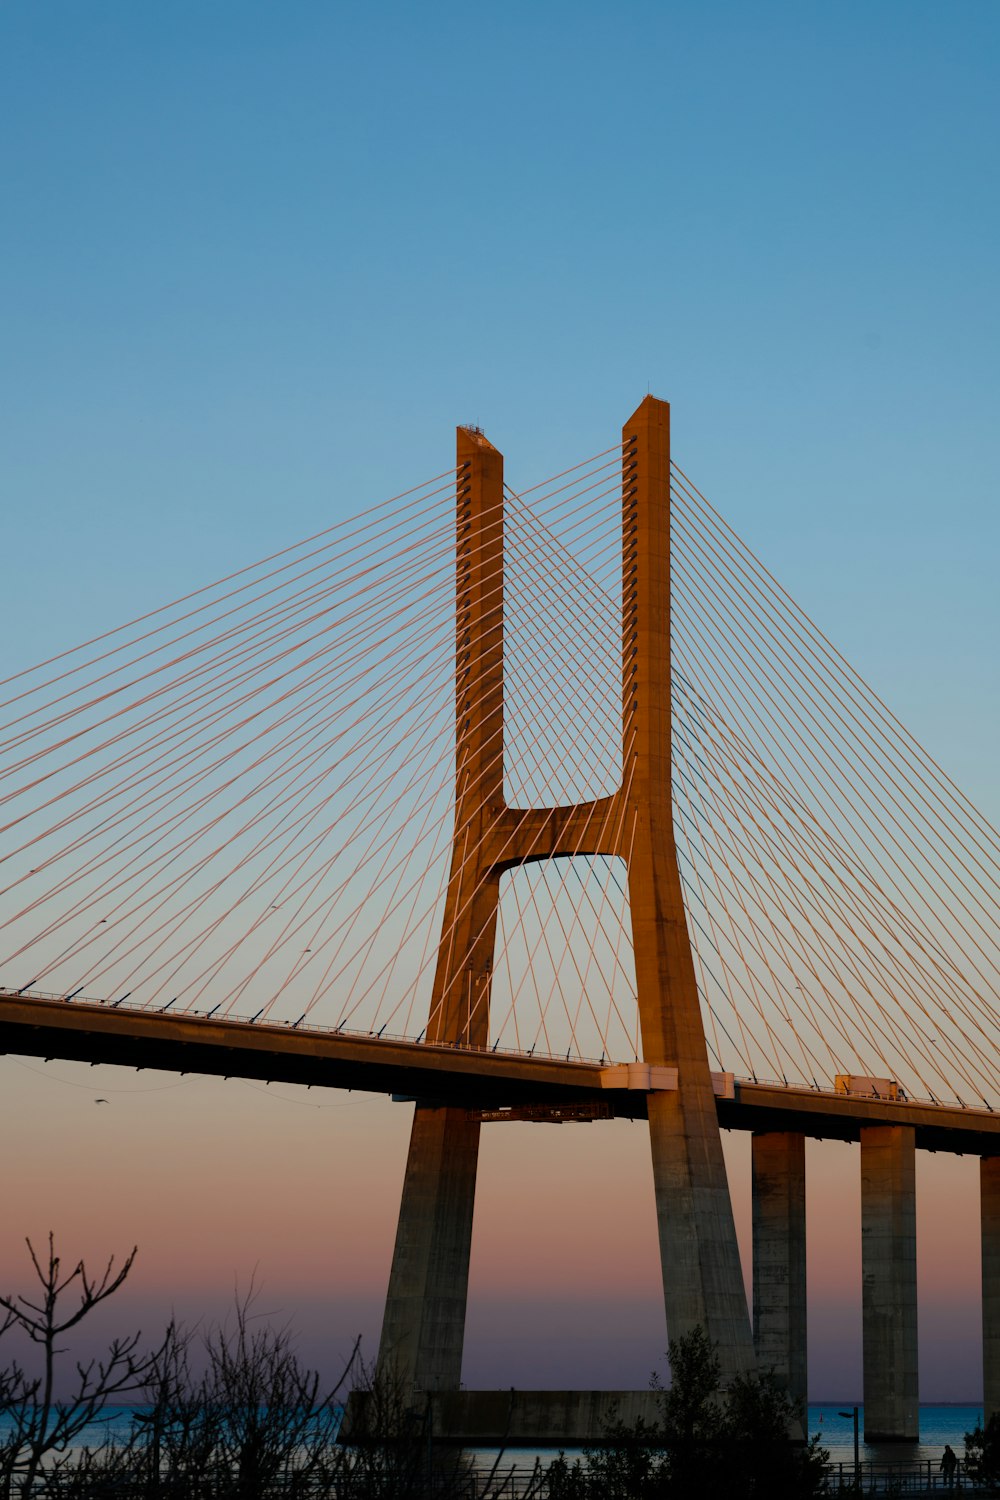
(491, 1082)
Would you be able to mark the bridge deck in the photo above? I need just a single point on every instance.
(32, 1026)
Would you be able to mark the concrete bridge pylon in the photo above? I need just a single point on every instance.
(424, 1322)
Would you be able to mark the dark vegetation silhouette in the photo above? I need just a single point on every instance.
(38, 1424)
(255, 1423)
(710, 1442)
(231, 1413)
(982, 1454)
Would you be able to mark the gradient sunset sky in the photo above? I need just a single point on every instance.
(259, 261)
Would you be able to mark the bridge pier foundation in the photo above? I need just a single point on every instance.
(779, 1258)
(889, 1282)
(989, 1184)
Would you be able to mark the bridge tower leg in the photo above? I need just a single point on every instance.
(989, 1181)
(889, 1283)
(702, 1277)
(423, 1327)
(779, 1258)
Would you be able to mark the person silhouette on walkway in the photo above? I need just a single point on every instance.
(949, 1464)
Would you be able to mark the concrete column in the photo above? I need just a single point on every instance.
(889, 1282)
(702, 1277)
(699, 1255)
(989, 1183)
(779, 1258)
(423, 1327)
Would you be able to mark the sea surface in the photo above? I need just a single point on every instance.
(938, 1425)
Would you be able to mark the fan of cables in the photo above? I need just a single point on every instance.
(242, 805)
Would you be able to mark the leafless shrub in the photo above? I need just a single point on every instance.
(255, 1424)
(38, 1424)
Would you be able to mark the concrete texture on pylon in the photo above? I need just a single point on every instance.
(702, 1280)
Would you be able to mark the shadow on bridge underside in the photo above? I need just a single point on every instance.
(494, 1084)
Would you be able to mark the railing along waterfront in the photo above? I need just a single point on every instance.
(515, 1482)
(917, 1477)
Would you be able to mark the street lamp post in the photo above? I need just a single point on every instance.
(857, 1445)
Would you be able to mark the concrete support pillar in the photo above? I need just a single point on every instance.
(989, 1183)
(702, 1277)
(889, 1282)
(699, 1254)
(423, 1327)
(779, 1258)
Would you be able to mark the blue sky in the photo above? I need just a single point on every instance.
(259, 260)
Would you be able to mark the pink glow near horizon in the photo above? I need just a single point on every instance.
(220, 1182)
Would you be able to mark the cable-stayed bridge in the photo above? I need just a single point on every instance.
(544, 803)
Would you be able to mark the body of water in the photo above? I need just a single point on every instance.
(938, 1425)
